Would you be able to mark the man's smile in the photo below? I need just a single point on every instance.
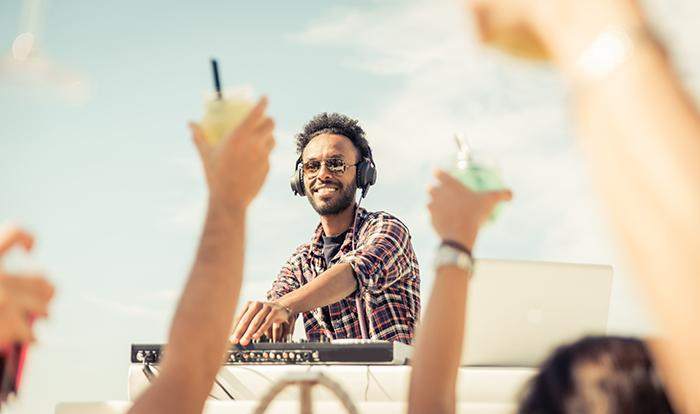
(325, 190)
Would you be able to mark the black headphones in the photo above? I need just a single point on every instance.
(365, 176)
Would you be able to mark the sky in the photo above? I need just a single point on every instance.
(101, 167)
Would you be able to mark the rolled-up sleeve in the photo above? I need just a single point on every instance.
(286, 280)
(381, 257)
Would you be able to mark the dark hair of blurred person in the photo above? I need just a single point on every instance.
(597, 374)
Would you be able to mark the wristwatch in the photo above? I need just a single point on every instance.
(449, 255)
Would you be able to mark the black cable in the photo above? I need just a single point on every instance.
(148, 372)
(216, 380)
(150, 376)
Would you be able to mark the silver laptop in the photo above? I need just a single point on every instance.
(518, 312)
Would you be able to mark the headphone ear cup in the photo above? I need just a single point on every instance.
(360, 174)
(371, 174)
(300, 180)
(366, 174)
(297, 181)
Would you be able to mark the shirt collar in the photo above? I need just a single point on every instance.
(317, 239)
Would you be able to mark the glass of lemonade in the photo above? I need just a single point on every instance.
(477, 171)
(223, 114)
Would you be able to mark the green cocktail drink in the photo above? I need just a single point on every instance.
(477, 173)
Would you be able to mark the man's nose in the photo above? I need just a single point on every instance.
(324, 173)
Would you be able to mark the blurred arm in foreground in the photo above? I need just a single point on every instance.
(235, 170)
(457, 213)
(23, 297)
(641, 134)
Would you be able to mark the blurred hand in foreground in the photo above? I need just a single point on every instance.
(457, 212)
(237, 166)
(23, 296)
(550, 29)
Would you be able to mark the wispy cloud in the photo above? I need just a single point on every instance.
(164, 296)
(451, 86)
(123, 308)
(402, 47)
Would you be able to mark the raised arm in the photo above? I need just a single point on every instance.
(644, 152)
(641, 134)
(457, 214)
(235, 171)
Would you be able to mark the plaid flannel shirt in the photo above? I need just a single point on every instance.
(387, 275)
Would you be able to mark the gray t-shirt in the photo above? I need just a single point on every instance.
(331, 246)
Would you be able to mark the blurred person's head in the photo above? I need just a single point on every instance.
(337, 139)
(597, 375)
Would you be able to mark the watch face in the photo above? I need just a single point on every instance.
(449, 256)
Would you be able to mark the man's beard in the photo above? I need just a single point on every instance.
(337, 205)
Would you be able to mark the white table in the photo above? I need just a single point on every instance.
(283, 407)
(374, 389)
(375, 383)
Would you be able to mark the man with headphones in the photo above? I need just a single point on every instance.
(358, 277)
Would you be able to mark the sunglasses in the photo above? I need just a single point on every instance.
(336, 166)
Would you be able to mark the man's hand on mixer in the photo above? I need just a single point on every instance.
(262, 318)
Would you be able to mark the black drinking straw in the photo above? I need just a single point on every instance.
(217, 80)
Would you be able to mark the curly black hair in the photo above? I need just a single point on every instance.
(608, 373)
(334, 123)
